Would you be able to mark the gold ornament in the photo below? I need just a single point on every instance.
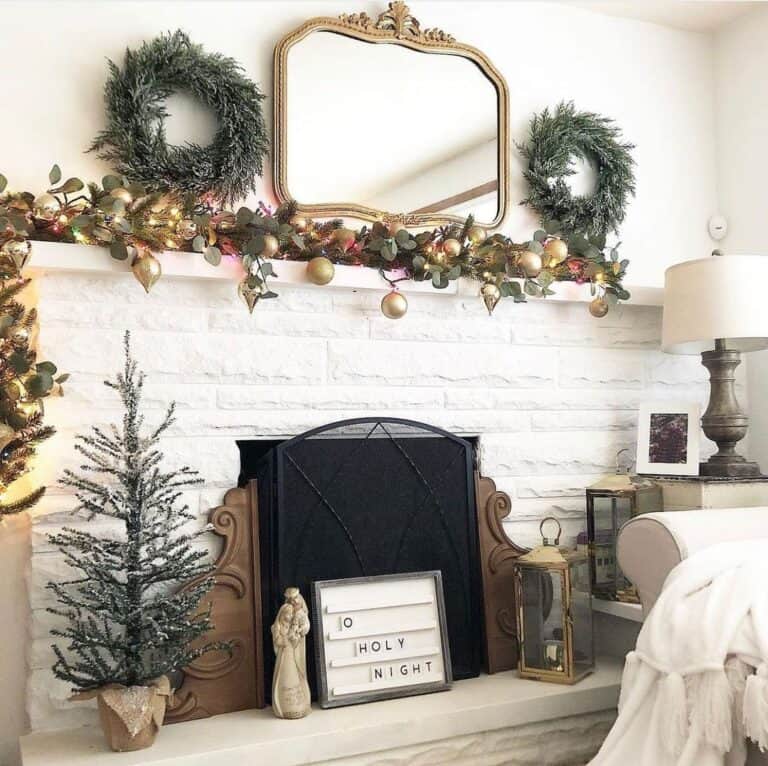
(122, 194)
(7, 435)
(343, 239)
(186, 228)
(394, 305)
(320, 270)
(530, 263)
(438, 258)
(598, 307)
(14, 254)
(47, 207)
(298, 222)
(557, 251)
(146, 268)
(271, 246)
(491, 296)
(451, 247)
(394, 227)
(250, 292)
(429, 249)
(476, 235)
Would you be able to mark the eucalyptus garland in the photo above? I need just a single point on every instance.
(134, 223)
(134, 140)
(555, 139)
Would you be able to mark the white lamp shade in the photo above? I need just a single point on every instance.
(716, 297)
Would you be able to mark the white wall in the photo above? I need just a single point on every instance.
(741, 64)
(553, 390)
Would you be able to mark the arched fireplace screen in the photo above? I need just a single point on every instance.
(368, 497)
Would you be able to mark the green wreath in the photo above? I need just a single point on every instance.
(554, 140)
(134, 139)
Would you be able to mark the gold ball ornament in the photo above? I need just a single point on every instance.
(557, 251)
(343, 238)
(476, 235)
(186, 228)
(394, 305)
(298, 222)
(46, 207)
(146, 268)
(320, 270)
(491, 296)
(122, 194)
(451, 247)
(271, 246)
(530, 263)
(598, 307)
(14, 254)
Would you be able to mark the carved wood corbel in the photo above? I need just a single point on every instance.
(220, 682)
(497, 557)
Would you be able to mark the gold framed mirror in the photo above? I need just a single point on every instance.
(375, 132)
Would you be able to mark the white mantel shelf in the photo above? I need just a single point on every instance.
(249, 737)
(55, 256)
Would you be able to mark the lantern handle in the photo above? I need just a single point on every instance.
(548, 541)
(619, 469)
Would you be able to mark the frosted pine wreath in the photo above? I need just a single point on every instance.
(555, 139)
(134, 139)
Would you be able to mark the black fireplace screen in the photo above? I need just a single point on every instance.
(370, 497)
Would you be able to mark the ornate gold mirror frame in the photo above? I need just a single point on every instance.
(396, 27)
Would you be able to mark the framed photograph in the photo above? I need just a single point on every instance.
(668, 439)
(380, 637)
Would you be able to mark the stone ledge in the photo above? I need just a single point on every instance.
(499, 703)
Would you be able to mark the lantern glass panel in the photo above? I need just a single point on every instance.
(543, 619)
(609, 512)
(581, 617)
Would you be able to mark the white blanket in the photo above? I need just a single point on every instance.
(689, 694)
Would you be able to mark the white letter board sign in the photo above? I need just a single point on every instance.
(380, 637)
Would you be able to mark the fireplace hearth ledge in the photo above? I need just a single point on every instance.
(483, 714)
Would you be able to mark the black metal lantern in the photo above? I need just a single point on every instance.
(554, 612)
(611, 502)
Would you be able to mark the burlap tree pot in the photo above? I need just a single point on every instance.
(131, 716)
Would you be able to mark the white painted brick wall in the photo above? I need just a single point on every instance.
(551, 391)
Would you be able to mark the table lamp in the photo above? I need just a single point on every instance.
(716, 307)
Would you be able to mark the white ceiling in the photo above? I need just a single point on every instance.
(696, 15)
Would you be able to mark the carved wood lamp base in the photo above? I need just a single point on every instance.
(724, 422)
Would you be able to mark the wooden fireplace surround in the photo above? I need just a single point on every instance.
(221, 682)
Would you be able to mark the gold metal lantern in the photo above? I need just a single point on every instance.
(554, 612)
(611, 502)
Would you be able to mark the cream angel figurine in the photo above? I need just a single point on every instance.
(290, 690)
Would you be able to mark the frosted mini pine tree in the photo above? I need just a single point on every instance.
(127, 622)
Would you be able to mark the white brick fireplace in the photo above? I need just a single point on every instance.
(550, 392)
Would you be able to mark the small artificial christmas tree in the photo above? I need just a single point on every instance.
(24, 381)
(127, 623)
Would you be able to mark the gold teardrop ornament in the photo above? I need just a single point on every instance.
(146, 268)
(491, 296)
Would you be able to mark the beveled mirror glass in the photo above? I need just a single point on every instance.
(362, 130)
